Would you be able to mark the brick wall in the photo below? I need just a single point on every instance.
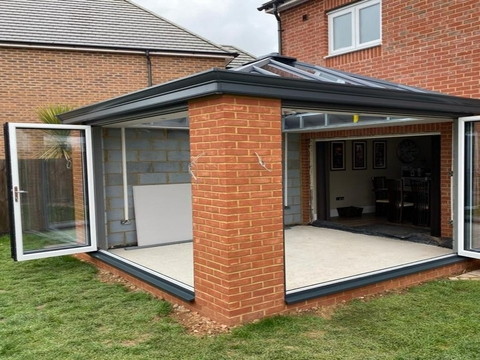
(154, 156)
(425, 43)
(32, 78)
(237, 207)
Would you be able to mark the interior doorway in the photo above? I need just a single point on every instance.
(345, 169)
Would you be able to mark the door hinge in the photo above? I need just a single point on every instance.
(450, 173)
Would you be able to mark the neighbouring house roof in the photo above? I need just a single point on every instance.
(107, 24)
(280, 77)
(242, 58)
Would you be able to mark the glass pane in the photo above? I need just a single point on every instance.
(472, 187)
(369, 23)
(342, 31)
(52, 191)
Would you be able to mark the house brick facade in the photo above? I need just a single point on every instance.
(33, 78)
(428, 44)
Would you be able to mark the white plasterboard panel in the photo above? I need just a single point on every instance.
(163, 213)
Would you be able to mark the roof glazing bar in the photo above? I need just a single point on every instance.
(263, 71)
(295, 71)
(248, 67)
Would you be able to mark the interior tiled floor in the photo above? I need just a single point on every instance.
(313, 255)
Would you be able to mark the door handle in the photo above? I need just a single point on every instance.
(17, 191)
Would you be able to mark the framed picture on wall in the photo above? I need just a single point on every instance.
(379, 154)
(337, 151)
(359, 152)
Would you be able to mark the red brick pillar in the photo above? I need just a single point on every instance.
(237, 207)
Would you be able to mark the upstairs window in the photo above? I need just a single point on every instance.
(355, 27)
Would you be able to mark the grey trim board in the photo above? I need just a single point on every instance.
(324, 290)
(146, 277)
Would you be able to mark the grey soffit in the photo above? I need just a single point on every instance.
(242, 58)
(118, 24)
(355, 93)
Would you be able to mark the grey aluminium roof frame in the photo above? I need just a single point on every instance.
(293, 92)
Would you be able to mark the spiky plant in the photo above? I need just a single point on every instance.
(58, 139)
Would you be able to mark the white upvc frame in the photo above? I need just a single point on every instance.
(15, 212)
(459, 173)
(355, 11)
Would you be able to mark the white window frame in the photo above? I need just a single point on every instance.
(354, 10)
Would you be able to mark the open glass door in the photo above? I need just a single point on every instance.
(50, 185)
(468, 187)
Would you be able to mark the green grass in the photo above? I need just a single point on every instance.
(57, 309)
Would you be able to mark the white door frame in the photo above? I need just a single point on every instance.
(459, 175)
(16, 192)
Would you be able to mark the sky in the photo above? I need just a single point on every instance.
(225, 22)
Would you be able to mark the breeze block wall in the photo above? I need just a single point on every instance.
(154, 156)
(292, 211)
(237, 207)
(429, 44)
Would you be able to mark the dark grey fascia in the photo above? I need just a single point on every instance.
(178, 92)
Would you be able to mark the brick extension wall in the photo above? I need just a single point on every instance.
(208, 309)
(425, 43)
(237, 207)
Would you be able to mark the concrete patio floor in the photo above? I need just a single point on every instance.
(312, 255)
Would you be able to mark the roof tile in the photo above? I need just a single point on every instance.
(117, 24)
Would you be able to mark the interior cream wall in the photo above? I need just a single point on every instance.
(355, 186)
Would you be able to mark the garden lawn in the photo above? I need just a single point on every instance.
(58, 309)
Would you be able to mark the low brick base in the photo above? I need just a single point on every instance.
(399, 283)
(342, 297)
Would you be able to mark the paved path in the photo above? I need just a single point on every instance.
(472, 275)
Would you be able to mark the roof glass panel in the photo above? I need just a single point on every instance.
(291, 68)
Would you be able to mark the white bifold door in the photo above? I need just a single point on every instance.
(468, 187)
(51, 195)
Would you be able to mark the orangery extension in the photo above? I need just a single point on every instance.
(242, 193)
